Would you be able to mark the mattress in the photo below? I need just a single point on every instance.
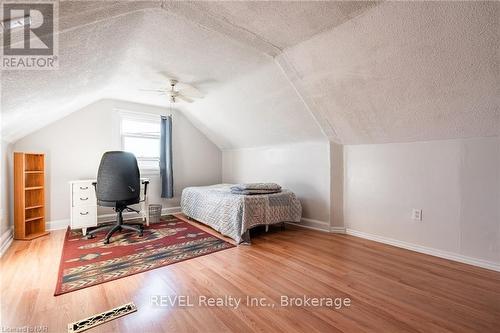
(233, 215)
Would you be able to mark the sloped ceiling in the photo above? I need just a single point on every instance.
(93, 37)
(277, 72)
(263, 109)
(270, 26)
(406, 72)
(245, 92)
(111, 51)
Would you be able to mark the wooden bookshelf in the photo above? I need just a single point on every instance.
(29, 195)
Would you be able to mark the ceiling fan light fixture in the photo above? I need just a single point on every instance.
(176, 95)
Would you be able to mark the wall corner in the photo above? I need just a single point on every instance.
(336, 185)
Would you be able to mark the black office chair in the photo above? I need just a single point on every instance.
(118, 185)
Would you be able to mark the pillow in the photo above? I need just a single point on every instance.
(256, 186)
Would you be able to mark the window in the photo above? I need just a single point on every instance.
(140, 135)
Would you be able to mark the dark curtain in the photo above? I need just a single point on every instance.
(166, 172)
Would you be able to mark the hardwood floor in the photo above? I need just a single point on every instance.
(390, 289)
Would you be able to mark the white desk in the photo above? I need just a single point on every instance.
(83, 204)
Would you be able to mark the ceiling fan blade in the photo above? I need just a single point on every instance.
(190, 91)
(184, 98)
(154, 90)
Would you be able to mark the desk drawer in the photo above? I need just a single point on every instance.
(83, 217)
(83, 195)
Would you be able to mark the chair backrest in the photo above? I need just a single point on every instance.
(118, 180)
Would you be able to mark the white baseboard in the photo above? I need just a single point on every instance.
(337, 230)
(427, 250)
(318, 225)
(312, 224)
(56, 224)
(63, 224)
(5, 241)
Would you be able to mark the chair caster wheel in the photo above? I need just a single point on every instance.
(89, 236)
(106, 241)
(140, 234)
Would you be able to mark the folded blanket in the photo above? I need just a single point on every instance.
(250, 192)
(256, 186)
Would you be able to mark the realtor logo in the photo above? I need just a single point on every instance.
(29, 38)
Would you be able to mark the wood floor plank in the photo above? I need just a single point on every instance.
(391, 289)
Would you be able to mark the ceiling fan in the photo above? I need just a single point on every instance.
(187, 94)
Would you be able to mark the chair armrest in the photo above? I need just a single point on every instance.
(146, 183)
(95, 187)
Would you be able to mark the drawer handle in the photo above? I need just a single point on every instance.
(84, 188)
(83, 199)
(86, 213)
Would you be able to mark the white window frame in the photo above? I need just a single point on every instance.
(139, 116)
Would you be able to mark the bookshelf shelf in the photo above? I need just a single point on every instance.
(33, 207)
(29, 195)
(33, 219)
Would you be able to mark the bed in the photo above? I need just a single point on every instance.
(234, 215)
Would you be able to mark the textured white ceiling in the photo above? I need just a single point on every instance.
(245, 91)
(368, 72)
(405, 72)
(108, 50)
(259, 109)
(88, 57)
(93, 37)
(278, 24)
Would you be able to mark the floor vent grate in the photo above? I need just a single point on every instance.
(101, 318)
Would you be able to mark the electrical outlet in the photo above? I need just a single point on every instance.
(416, 214)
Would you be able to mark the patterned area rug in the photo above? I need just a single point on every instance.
(88, 262)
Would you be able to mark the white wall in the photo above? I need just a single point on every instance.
(5, 183)
(455, 182)
(74, 146)
(303, 168)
